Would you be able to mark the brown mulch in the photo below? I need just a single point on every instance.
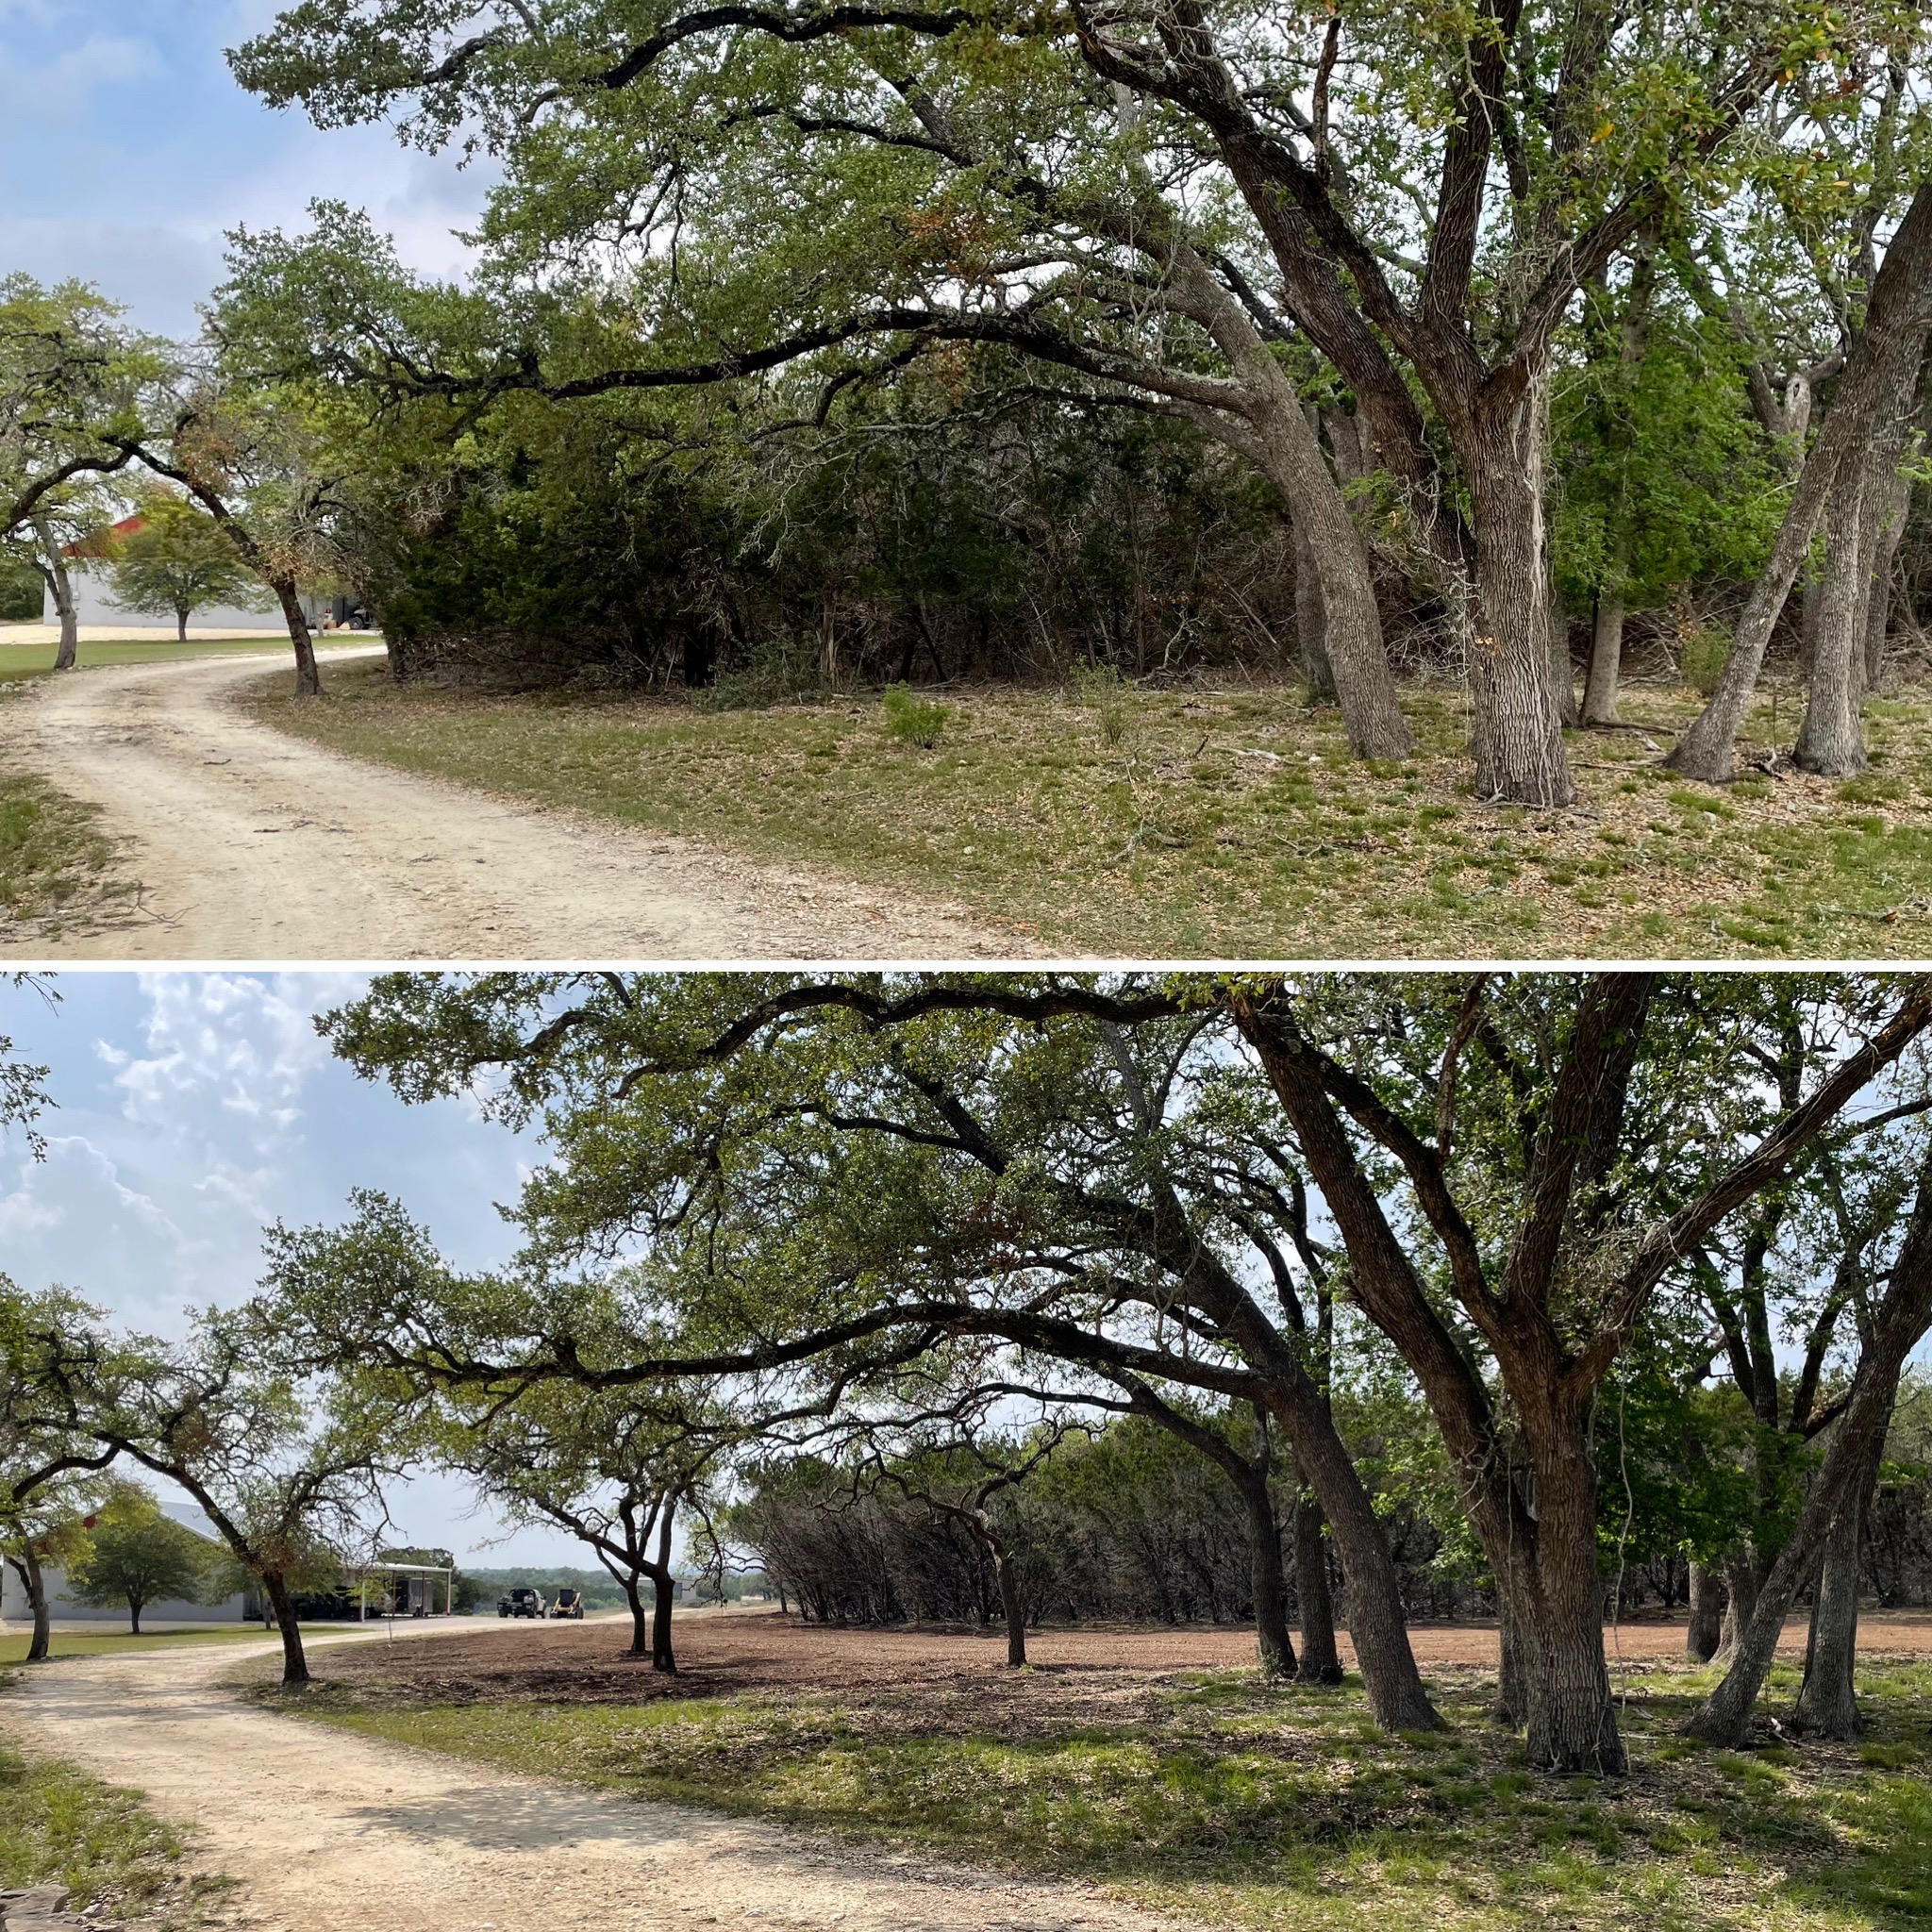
(950, 1674)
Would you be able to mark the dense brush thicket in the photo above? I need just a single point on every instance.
(1132, 1525)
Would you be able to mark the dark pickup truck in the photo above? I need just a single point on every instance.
(521, 1602)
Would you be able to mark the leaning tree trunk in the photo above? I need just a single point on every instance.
(1881, 374)
(1829, 739)
(1321, 1659)
(1828, 1699)
(1517, 739)
(1277, 435)
(26, 1566)
(1705, 1630)
(308, 677)
(294, 1662)
(1741, 1601)
(1902, 1316)
(1270, 1585)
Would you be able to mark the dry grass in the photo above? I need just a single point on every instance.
(1161, 1763)
(1223, 822)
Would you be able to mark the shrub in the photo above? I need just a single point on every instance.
(1112, 699)
(913, 719)
(1701, 651)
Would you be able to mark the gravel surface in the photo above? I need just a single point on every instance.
(250, 844)
(329, 1832)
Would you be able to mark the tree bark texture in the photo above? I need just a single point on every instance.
(1828, 1698)
(1562, 674)
(1309, 626)
(640, 1623)
(1705, 1627)
(26, 1566)
(1512, 1683)
(1829, 739)
(294, 1662)
(1881, 374)
(1605, 663)
(662, 1657)
(1010, 1603)
(1891, 510)
(1902, 1316)
(54, 568)
(1741, 1600)
(1321, 1660)
(1517, 739)
(308, 677)
(1270, 1585)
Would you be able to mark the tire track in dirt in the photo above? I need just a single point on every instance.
(250, 844)
(326, 1831)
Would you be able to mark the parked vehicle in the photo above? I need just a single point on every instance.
(521, 1602)
(569, 1603)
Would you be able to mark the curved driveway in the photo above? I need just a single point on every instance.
(251, 844)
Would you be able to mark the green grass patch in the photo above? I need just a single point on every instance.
(57, 1826)
(1218, 1794)
(1211, 822)
(110, 1642)
(57, 867)
(37, 661)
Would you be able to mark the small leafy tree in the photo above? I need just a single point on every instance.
(139, 1555)
(178, 558)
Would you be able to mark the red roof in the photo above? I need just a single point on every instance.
(98, 543)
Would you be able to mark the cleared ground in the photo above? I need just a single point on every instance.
(335, 1833)
(244, 842)
(1219, 822)
(1160, 1764)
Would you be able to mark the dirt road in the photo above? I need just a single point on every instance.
(251, 846)
(329, 1832)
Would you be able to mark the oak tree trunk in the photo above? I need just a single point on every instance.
(1605, 663)
(662, 1657)
(1828, 1699)
(1894, 506)
(1270, 1585)
(1829, 741)
(54, 569)
(1308, 624)
(1705, 1627)
(1518, 740)
(181, 624)
(26, 1566)
(1513, 1686)
(294, 1663)
(133, 1617)
(1010, 1603)
(1321, 1659)
(308, 677)
(640, 1623)
(1562, 674)
(1741, 1601)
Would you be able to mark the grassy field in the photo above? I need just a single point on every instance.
(1210, 1790)
(37, 661)
(1225, 823)
(60, 1827)
(106, 1642)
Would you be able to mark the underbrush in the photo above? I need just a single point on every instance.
(1219, 1794)
(1216, 823)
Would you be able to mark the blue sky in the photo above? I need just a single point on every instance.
(194, 1107)
(128, 151)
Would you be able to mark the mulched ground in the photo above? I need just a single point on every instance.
(953, 1677)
